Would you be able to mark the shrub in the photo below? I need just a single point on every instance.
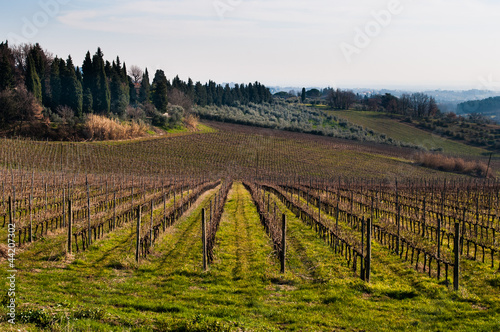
(102, 128)
(452, 164)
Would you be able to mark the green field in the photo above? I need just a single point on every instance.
(404, 132)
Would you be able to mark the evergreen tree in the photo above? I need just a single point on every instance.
(7, 67)
(89, 76)
(190, 89)
(119, 100)
(145, 89)
(200, 94)
(178, 84)
(33, 83)
(303, 95)
(71, 93)
(160, 91)
(88, 102)
(40, 62)
(100, 91)
(55, 84)
(133, 98)
(79, 76)
(227, 97)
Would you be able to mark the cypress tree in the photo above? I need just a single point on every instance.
(71, 94)
(119, 100)
(133, 98)
(160, 91)
(55, 84)
(145, 89)
(200, 94)
(190, 89)
(7, 67)
(33, 83)
(88, 73)
(100, 92)
(87, 102)
(40, 62)
(79, 76)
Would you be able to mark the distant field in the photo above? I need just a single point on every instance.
(407, 133)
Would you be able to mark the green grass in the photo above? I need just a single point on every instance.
(103, 289)
(401, 131)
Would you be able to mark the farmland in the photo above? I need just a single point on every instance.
(132, 258)
(380, 122)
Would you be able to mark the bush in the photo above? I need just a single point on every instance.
(101, 128)
(159, 120)
(452, 164)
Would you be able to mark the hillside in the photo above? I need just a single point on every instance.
(395, 128)
(489, 107)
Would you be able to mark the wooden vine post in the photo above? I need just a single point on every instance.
(31, 217)
(363, 274)
(398, 220)
(151, 228)
(70, 222)
(88, 215)
(138, 236)
(10, 210)
(64, 208)
(368, 249)
(456, 266)
(283, 243)
(204, 239)
(438, 247)
(114, 210)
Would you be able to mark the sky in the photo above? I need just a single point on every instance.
(393, 44)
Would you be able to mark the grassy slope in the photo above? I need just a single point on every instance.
(407, 133)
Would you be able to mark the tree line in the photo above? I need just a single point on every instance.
(490, 106)
(55, 86)
(416, 105)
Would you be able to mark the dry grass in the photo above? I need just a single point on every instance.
(452, 164)
(191, 121)
(101, 128)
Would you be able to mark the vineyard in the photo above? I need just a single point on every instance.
(244, 230)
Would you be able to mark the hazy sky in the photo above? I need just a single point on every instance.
(342, 43)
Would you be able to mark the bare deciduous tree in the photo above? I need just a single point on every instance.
(136, 73)
(177, 97)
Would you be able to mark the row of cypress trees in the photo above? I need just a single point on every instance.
(104, 87)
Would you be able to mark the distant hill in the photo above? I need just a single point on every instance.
(489, 107)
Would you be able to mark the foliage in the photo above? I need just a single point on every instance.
(416, 105)
(102, 128)
(7, 67)
(488, 106)
(159, 91)
(284, 116)
(453, 164)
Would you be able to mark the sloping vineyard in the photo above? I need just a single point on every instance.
(229, 217)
